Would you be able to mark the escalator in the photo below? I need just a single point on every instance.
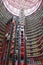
(10, 51)
(12, 56)
(17, 54)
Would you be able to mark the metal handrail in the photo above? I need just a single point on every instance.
(19, 59)
(14, 57)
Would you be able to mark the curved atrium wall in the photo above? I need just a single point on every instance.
(4, 14)
(34, 35)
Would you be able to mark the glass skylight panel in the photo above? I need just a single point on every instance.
(29, 6)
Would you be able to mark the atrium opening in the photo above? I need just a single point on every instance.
(21, 32)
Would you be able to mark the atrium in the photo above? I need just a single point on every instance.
(21, 32)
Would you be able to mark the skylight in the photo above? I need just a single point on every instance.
(29, 6)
